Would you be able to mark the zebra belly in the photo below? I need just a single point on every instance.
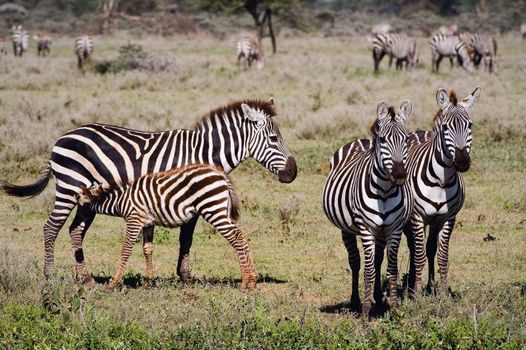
(438, 201)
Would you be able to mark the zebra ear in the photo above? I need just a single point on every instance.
(469, 101)
(405, 110)
(442, 98)
(251, 114)
(382, 110)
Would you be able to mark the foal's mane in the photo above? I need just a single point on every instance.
(267, 107)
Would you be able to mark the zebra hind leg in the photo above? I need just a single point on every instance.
(77, 231)
(349, 239)
(147, 249)
(185, 241)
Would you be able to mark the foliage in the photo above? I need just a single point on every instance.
(78, 7)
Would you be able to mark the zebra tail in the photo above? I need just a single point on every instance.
(29, 191)
(235, 203)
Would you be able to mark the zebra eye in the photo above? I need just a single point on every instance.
(382, 139)
(444, 127)
(273, 138)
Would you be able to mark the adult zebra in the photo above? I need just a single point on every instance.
(20, 39)
(83, 51)
(249, 50)
(397, 46)
(365, 195)
(484, 47)
(44, 43)
(452, 47)
(170, 199)
(105, 154)
(435, 160)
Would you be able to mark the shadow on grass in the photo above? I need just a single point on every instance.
(137, 280)
(377, 311)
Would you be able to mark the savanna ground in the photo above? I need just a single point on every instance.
(326, 95)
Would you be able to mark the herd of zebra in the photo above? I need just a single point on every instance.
(376, 189)
(20, 40)
(468, 49)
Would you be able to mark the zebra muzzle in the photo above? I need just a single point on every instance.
(398, 174)
(462, 160)
(288, 174)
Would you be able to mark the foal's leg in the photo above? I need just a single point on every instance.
(147, 249)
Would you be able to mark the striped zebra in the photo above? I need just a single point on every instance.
(249, 50)
(366, 195)
(83, 50)
(484, 47)
(397, 46)
(44, 43)
(106, 154)
(451, 47)
(435, 162)
(170, 199)
(20, 39)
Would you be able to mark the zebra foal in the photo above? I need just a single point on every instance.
(249, 50)
(366, 195)
(20, 39)
(434, 164)
(83, 51)
(170, 199)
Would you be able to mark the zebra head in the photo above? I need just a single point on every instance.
(453, 124)
(390, 141)
(266, 145)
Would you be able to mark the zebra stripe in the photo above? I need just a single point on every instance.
(435, 160)
(365, 195)
(484, 46)
(83, 51)
(170, 199)
(20, 39)
(44, 43)
(397, 46)
(451, 47)
(107, 154)
(250, 50)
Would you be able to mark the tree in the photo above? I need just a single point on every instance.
(107, 8)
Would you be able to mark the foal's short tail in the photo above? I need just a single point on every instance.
(29, 191)
(234, 201)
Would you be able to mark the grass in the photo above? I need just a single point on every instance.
(326, 95)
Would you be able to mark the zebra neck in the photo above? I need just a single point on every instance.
(109, 204)
(223, 142)
(441, 166)
(377, 178)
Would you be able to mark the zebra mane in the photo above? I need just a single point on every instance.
(266, 107)
(376, 124)
(453, 99)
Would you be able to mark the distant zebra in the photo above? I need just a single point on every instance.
(170, 199)
(20, 39)
(84, 50)
(435, 160)
(448, 30)
(452, 47)
(397, 46)
(250, 50)
(484, 47)
(106, 154)
(44, 43)
(366, 195)
(523, 31)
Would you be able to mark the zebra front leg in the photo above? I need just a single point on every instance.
(393, 243)
(77, 230)
(134, 226)
(185, 243)
(147, 249)
(349, 240)
(431, 250)
(370, 272)
(415, 240)
(443, 252)
(378, 260)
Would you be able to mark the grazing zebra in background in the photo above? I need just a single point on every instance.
(365, 195)
(435, 160)
(170, 199)
(20, 39)
(523, 31)
(448, 30)
(397, 46)
(83, 50)
(452, 47)
(250, 50)
(107, 154)
(44, 43)
(484, 47)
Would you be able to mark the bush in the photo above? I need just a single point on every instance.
(133, 57)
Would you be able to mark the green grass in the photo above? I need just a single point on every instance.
(326, 95)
